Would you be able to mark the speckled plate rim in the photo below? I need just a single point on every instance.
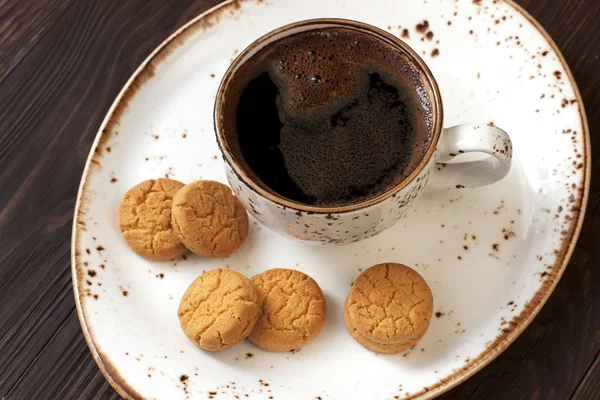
(146, 71)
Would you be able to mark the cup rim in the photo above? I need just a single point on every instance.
(437, 115)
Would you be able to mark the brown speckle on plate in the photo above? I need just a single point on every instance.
(422, 26)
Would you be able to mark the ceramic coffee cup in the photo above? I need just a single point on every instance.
(353, 222)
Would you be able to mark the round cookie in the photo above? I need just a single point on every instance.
(388, 348)
(145, 219)
(219, 309)
(293, 310)
(390, 303)
(208, 219)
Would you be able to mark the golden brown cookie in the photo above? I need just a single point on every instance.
(390, 303)
(293, 310)
(209, 219)
(145, 219)
(388, 348)
(219, 309)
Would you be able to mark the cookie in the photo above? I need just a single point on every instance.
(292, 307)
(390, 304)
(219, 309)
(388, 348)
(145, 219)
(208, 219)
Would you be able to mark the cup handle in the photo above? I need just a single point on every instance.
(472, 138)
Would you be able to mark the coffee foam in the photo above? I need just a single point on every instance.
(318, 68)
(352, 153)
(339, 142)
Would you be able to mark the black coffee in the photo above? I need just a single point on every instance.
(329, 117)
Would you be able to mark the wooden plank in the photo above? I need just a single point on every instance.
(68, 350)
(589, 387)
(22, 24)
(51, 106)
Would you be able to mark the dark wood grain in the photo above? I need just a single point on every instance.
(68, 350)
(22, 25)
(589, 387)
(65, 62)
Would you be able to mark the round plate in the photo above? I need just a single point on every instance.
(491, 255)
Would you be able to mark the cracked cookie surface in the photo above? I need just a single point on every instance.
(293, 310)
(219, 309)
(390, 303)
(208, 219)
(386, 348)
(145, 219)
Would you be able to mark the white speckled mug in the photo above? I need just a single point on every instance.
(353, 222)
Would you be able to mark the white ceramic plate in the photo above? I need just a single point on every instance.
(491, 255)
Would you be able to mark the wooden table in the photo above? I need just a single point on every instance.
(62, 62)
